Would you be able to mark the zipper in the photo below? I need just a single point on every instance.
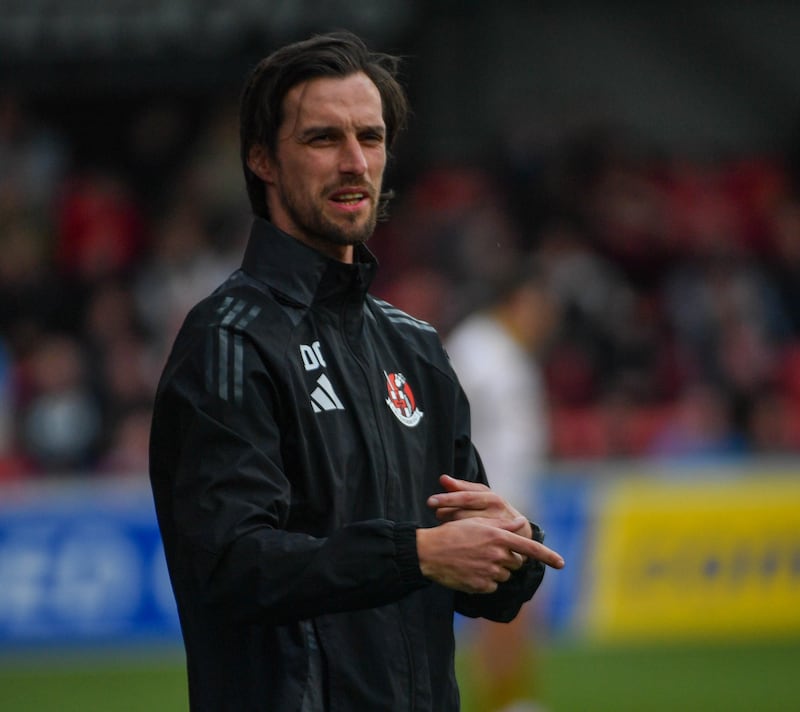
(364, 367)
(373, 400)
(382, 438)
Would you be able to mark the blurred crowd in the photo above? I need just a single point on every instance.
(677, 281)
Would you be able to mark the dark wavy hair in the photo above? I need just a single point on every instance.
(336, 54)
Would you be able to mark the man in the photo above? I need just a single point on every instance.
(302, 429)
(495, 352)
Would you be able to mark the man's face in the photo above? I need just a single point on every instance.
(325, 178)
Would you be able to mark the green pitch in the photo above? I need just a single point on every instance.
(575, 677)
(742, 677)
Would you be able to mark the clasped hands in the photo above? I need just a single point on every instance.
(482, 539)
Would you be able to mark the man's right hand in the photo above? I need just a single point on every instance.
(474, 555)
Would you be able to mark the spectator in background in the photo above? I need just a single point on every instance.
(495, 353)
(61, 424)
(701, 428)
(428, 293)
(728, 321)
(783, 265)
(126, 363)
(32, 158)
(159, 135)
(129, 440)
(180, 267)
(212, 180)
(100, 227)
(598, 308)
(773, 423)
(7, 451)
(451, 235)
(32, 295)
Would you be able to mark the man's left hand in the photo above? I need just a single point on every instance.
(462, 499)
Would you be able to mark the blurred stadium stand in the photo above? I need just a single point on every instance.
(649, 157)
(78, 28)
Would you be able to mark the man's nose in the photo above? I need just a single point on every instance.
(352, 159)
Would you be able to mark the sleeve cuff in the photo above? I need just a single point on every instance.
(405, 544)
(537, 533)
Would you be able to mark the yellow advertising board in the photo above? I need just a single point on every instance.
(696, 558)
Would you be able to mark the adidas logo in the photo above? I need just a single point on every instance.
(323, 397)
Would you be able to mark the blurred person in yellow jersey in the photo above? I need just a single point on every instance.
(495, 352)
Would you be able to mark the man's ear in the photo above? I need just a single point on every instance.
(259, 162)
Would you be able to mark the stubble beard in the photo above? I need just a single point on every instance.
(318, 228)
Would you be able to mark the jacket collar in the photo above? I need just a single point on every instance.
(300, 272)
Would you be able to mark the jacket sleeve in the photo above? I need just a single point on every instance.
(215, 459)
(504, 604)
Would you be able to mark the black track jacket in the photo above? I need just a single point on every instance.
(300, 425)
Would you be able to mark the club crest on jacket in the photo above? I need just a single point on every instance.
(401, 399)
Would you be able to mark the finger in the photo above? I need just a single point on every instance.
(448, 514)
(502, 575)
(488, 586)
(456, 514)
(451, 484)
(534, 550)
(517, 561)
(512, 525)
(512, 561)
(521, 526)
(465, 500)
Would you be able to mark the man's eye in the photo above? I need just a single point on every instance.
(321, 138)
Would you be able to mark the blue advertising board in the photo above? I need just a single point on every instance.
(82, 562)
(565, 510)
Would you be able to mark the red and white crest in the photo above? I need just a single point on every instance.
(401, 399)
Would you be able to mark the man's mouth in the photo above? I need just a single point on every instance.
(349, 197)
